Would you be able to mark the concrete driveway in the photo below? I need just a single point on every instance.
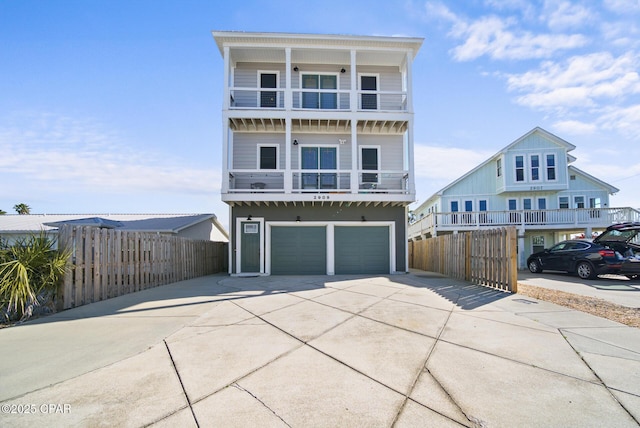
(402, 350)
(613, 288)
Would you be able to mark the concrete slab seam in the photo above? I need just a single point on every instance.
(423, 367)
(572, 330)
(241, 388)
(609, 390)
(184, 391)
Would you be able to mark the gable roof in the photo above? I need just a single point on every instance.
(162, 223)
(548, 135)
(611, 189)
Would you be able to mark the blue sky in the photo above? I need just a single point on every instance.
(114, 106)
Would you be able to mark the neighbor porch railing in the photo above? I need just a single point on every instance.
(540, 219)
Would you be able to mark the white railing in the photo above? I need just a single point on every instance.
(553, 219)
(314, 181)
(316, 99)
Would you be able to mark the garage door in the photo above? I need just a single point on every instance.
(362, 249)
(298, 250)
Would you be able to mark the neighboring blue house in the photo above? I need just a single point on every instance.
(529, 184)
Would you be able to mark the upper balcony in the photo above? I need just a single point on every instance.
(310, 73)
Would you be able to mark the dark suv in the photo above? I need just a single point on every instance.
(616, 250)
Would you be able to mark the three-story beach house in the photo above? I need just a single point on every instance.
(317, 146)
(530, 184)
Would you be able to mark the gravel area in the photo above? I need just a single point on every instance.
(590, 305)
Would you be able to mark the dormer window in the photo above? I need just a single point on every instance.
(519, 168)
(551, 167)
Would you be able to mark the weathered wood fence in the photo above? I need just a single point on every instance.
(106, 263)
(483, 257)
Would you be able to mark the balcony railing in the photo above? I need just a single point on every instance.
(317, 99)
(318, 181)
(538, 219)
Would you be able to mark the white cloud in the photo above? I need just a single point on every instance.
(581, 81)
(623, 6)
(625, 120)
(574, 127)
(563, 15)
(493, 36)
(49, 151)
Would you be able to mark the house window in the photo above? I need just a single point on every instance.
(595, 203)
(512, 204)
(542, 204)
(454, 207)
(370, 161)
(318, 159)
(268, 98)
(551, 167)
(369, 101)
(268, 157)
(499, 167)
(535, 167)
(482, 205)
(578, 202)
(317, 91)
(563, 202)
(526, 204)
(519, 168)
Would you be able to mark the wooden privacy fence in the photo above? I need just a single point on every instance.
(483, 257)
(106, 263)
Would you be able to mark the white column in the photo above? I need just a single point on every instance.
(288, 95)
(331, 256)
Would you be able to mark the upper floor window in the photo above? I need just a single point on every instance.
(578, 201)
(519, 168)
(320, 91)
(369, 161)
(268, 80)
(267, 157)
(551, 167)
(535, 167)
(369, 101)
(499, 167)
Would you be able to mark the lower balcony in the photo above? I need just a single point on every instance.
(560, 219)
(320, 185)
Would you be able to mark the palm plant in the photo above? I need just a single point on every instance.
(30, 272)
(22, 209)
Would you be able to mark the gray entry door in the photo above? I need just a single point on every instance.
(297, 250)
(362, 249)
(250, 247)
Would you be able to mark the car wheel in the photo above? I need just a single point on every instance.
(534, 266)
(585, 270)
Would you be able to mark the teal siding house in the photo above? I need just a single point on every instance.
(530, 184)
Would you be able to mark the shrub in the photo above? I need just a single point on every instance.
(30, 273)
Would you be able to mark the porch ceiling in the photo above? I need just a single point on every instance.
(317, 125)
(319, 203)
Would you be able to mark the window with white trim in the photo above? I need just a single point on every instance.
(267, 157)
(578, 202)
(563, 202)
(319, 91)
(534, 162)
(519, 160)
(369, 101)
(499, 167)
(550, 160)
